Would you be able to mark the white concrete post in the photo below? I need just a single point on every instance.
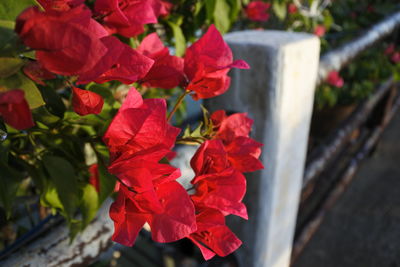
(278, 93)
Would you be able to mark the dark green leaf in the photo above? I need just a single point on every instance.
(9, 182)
(54, 103)
(107, 182)
(62, 174)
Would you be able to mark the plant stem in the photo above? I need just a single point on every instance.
(177, 104)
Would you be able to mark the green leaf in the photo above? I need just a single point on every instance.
(62, 174)
(9, 182)
(210, 7)
(221, 16)
(54, 103)
(49, 198)
(180, 41)
(10, 66)
(236, 6)
(103, 91)
(89, 205)
(42, 115)
(107, 182)
(10, 9)
(279, 9)
(20, 81)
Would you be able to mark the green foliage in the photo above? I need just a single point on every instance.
(10, 9)
(62, 175)
(20, 81)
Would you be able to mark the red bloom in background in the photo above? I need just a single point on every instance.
(390, 49)
(319, 30)
(86, 102)
(292, 8)
(15, 110)
(207, 63)
(35, 71)
(395, 57)
(128, 17)
(70, 42)
(213, 236)
(258, 11)
(334, 79)
(167, 70)
(94, 178)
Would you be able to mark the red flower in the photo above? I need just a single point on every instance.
(334, 79)
(139, 125)
(395, 57)
(217, 184)
(128, 17)
(207, 63)
(72, 43)
(86, 102)
(173, 220)
(35, 71)
(243, 153)
(223, 191)
(319, 30)
(15, 110)
(390, 49)
(258, 11)
(213, 236)
(142, 170)
(128, 67)
(60, 5)
(292, 8)
(167, 71)
(94, 178)
(230, 127)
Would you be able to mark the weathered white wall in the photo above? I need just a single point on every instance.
(278, 93)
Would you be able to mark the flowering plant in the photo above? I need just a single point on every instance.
(78, 124)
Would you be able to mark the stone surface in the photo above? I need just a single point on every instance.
(277, 92)
(54, 249)
(363, 228)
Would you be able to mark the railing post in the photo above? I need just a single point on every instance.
(278, 93)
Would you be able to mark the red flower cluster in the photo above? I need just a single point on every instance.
(292, 8)
(319, 30)
(72, 40)
(391, 52)
(68, 41)
(258, 11)
(139, 137)
(334, 79)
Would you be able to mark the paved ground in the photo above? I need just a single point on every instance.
(363, 228)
